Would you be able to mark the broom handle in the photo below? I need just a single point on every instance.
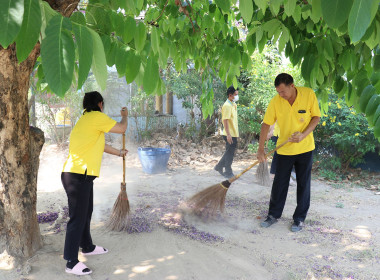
(123, 159)
(257, 162)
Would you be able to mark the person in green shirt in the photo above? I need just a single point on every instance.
(230, 132)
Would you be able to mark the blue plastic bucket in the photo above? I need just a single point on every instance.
(154, 160)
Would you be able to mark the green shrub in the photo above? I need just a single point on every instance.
(343, 136)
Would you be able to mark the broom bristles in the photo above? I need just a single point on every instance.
(206, 203)
(120, 216)
(262, 174)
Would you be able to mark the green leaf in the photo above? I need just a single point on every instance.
(139, 4)
(163, 53)
(246, 9)
(84, 44)
(155, 40)
(121, 60)
(132, 66)
(140, 36)
(328, 49)
(376, 62)
(361, 79)
(307, 67)
(297, 14)
(224, 5)
(275, 5)
(376, 116)
(376, 130)
(58, 55)
(30, 29)
(99, 64)
(336, 12)
(359, 19)
(118, 18)
(11, 16)
(366, 95)
(151, 76)
(290, 6)
(245, 60)
(316, 11)
(350, 96)
(236, 57)
(262, 4)
(129, 29)
(47, 13)
(78, 17)
(339, 84)
(372, 105)
(271, 27)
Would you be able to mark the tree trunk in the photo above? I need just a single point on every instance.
(20, 147)
(159, 109)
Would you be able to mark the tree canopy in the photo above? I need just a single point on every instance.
(336, 42)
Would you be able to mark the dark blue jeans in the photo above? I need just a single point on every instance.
(79, 190)
(228, 157)
(302, 164)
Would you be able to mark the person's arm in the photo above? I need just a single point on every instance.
(227, 128)
(121, 126)
(113, 151)
(263, 136)
(299, 136)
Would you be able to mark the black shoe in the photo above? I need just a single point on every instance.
(228, 175)
(297, 226)
(219, 169)
(270, 220)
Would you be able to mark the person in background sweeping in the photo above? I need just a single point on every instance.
(87, 144)
(297, 113)
(230, 132)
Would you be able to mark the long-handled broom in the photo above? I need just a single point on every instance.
(207, 202)
(119, 219)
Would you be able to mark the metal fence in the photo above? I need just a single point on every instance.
(139, 125)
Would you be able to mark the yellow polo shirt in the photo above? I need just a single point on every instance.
(229, 113)
(87, 143)
(276, 131)
(293, 118)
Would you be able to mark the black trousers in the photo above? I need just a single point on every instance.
(302, 164)
(79, 190)
(228, 157)
(274, 159)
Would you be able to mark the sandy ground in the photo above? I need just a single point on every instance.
(341, 239)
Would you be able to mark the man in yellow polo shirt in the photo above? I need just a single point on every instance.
(230, 132)
(297, 113)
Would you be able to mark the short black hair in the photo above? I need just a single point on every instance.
(91, 101)
(283, 78)
(231, 90)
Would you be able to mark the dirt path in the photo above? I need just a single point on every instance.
(341, 239)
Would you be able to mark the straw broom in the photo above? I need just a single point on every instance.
(207, 202)
(119, 219)
(262, 173)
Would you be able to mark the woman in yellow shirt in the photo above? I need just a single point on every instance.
(87, 144)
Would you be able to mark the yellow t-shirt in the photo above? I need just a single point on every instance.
(276, 131)
(229, 112)
(87, 143)
(293, 118)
